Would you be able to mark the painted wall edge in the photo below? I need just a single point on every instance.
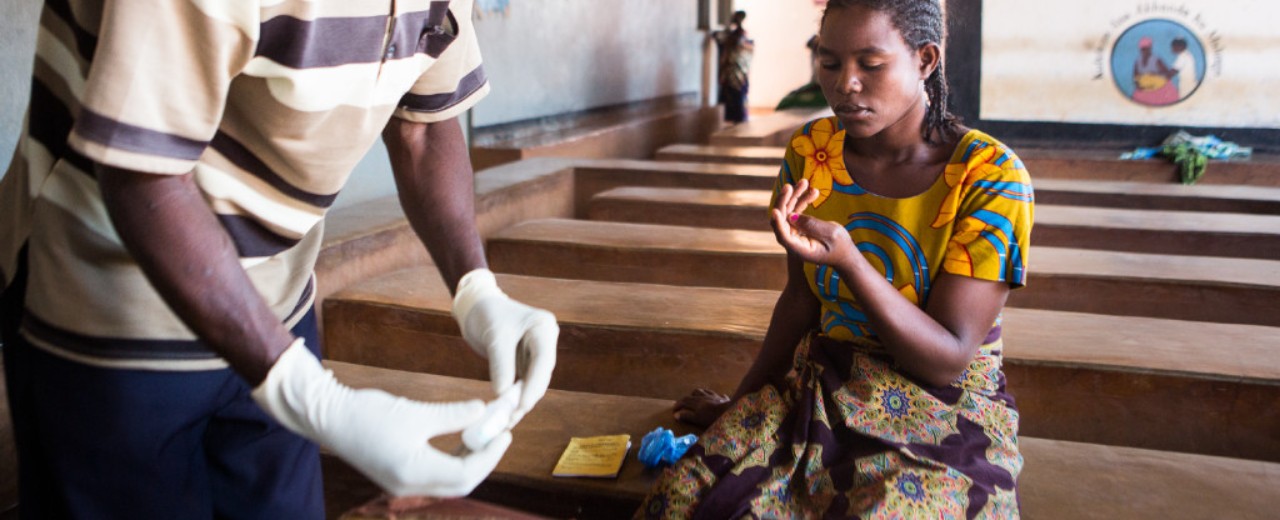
(964, 74)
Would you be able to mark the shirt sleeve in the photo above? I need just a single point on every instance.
(157, 87)
(456, 81)
(992, 232)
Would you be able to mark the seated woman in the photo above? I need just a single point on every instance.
(878, 391)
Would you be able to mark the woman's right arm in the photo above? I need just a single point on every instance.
(796, 313)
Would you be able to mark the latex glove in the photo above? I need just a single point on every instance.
(518, 340)
(382, 435)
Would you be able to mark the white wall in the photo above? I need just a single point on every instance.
(543, 58)
(1078, 69)
(780, 29)
(17, 45)
(549, 57)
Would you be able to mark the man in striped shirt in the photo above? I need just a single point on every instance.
(159, 225)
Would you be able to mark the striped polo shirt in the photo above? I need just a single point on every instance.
(269, 104)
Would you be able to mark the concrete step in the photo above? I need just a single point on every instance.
(1093, 165)
(1134, 230)
(1130, 381)
(631, 339)
(1228, 290)
(1061, 480)
(1261, 200)
(636, 131)
(773, 129)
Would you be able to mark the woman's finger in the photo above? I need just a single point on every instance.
(807, 198)
(797, 196)
(784, 198)
(783, 231)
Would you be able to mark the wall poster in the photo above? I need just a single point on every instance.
(488, 7)
(1209, 63)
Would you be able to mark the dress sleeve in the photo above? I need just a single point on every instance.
(991, 237)
(157, 87)
(456, 81)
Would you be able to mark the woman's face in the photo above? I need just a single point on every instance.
(872, 80)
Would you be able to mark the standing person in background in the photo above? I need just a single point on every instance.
(735, 50)
(877, 392)
(809, 95)
(159, 228)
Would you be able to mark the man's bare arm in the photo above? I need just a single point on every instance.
(173, 235)
(437, 191)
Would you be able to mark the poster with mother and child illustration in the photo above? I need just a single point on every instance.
(1212, 63)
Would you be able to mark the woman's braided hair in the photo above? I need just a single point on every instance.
(920, 22)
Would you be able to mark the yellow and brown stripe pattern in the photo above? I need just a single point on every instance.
(269, 104)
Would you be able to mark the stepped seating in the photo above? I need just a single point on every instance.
(773, 129)
(1084, 377)
(1061, 480)
(1068, 192)
(636, 131)
(1261, 170)
(1163, 196)
(1144, 231)
(373, 238)
(1229, 290)
(622, 338)
(1101, 385)
(722, 154)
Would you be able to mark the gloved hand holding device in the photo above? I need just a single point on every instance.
(518, 340)
(382, 435)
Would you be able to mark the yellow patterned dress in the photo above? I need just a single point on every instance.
(848, 435)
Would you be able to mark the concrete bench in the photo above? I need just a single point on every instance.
(633, 131)
(1229, 290)
(1056, 164)
(773, 129)
(1140, 231)
(633, 339)
(1261, 200)
(726, 154)
(363, 241)
(1132, 381)
(1061, 480)
(1066, 192)
(372, 238)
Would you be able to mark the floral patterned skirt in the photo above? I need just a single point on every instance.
(848, 436)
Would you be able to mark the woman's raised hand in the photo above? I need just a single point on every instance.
(813, 240)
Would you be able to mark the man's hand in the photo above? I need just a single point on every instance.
(518, 340)
(382, 435)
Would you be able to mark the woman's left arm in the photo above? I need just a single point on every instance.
(934, 344)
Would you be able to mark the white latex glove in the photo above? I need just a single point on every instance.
(382, 435)
(518, 340)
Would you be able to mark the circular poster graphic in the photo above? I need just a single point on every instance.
(1157, 62)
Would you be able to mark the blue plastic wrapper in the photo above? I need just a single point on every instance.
(662, 446)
